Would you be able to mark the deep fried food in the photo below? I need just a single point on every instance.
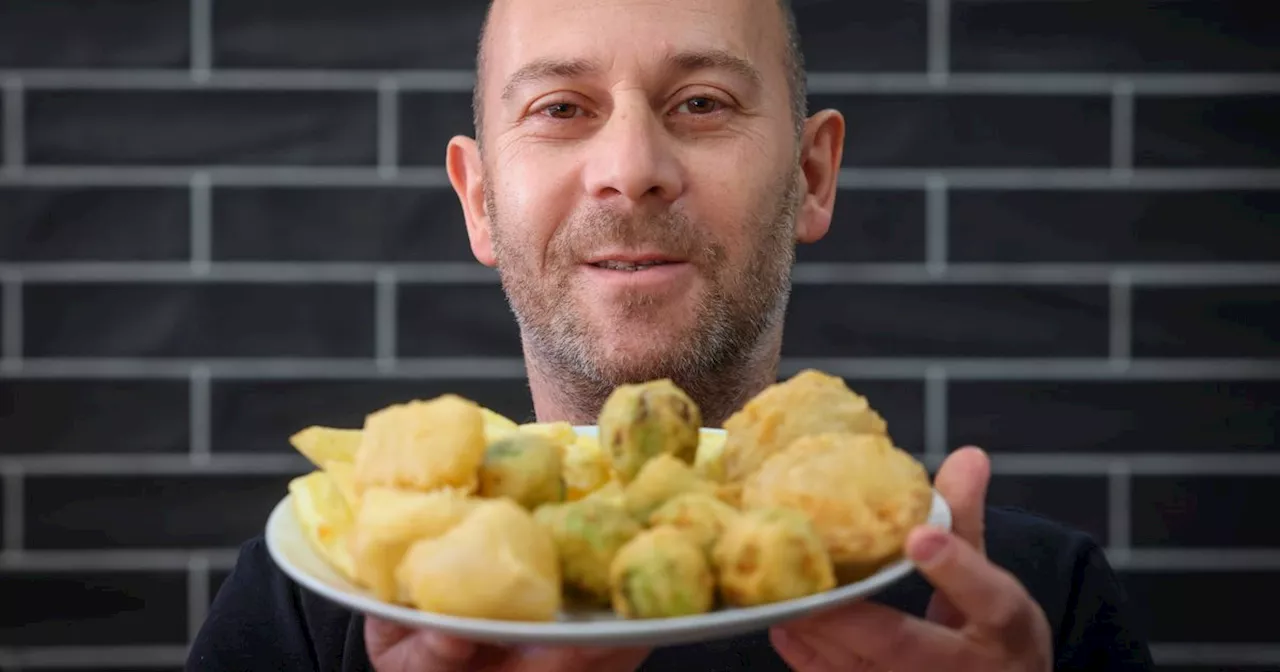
(587, 535)
(811, 402)
(771, 555)
(524, 467)
(389, 521)
(661, 479)
(702, 516)
(862, 493)
(640, 422)
(661, 573)
(709, 462)
(326, 445)
(422, 445)
(497, 564)
(586, 467)
(325, 518)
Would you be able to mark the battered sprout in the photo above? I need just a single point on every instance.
(771, 555)
(703, 517)
(661, 573)
(663, 478)
(524, 467)
(640, 422)
(587, 534)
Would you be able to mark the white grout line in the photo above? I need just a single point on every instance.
(385, 320)
(1121, 319)
(90, 656)
(425, 177)
(1119, 506)
(14, 506)
(939, 55)
(201, 215)
(197, 593)
(1122, 130)
(1197, 560)
(935, 413)
(11, 319)
(201, 410)
(1031, 177)
(284, 464)
(443, 368)
(388, 127)
(14, 123)
(1216, 654)
(115, 560)
(201, 40)
(936, 225)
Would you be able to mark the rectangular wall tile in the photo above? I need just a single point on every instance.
(428, 120)
(93, 608)
(1206, 131)
(480, 323)
(143, 34)
(1210, 511)
(863, 36)
(260, 416)
(199, 320)
(946, 321)
(1212, 416)
(1114, 226)
(1203, 606)
(934, 130)
(1226, 321)
(1079, 502)
(334, 224)
(96, 512)
(872, 226)
(383, 34)
(1195, 36)
(94, 224)
(201, 127)
(108, 416)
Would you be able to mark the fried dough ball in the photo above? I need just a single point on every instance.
(497, 564)
(811, 402)
(389, 521)
(586, 467)
(524, 467)
(862, 493)
(701, 516)
(640, 422)
(422, 445)
(587, 535)
(661, 573)
(771, 555)
(661, 479)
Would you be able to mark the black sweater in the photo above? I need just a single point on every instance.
(262, 620)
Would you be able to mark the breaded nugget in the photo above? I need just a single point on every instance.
(523, 467)
(661, 573)
(771, 555)
(587, 535)
(700, 515)
(640, 422)
(422, 445)
(388, 521)
(811, 402)
(661, 479)
(861, 492)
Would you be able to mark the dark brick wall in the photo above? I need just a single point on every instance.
(1058, 236)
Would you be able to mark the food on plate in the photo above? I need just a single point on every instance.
(524, 467)
(771, 555)
(326, 519)
(811, 402)
(343, 475)
(639, 422)
(389, 521)
(422, 445)
(701, 516)
(326, 445)
(587, 535)
(560, 432)
(862, 493)
(496, 564)
(585, 467)
(496, 425)
(709, 461)
(661, 573)
(661, 479)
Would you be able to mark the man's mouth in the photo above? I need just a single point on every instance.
(617, 265)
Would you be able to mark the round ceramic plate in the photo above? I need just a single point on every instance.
(591, 627)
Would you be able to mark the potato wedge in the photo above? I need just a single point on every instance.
(323, 445)
(325, 518)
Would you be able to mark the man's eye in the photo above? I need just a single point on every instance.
(561, 110)
(700, 105)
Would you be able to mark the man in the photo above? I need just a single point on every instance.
(641, 174)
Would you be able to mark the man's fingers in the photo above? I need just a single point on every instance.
(873, 634)
(942, 612)
(395, 647)
(962, 480)
(579, 659)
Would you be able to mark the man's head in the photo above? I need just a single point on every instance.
(645, 172)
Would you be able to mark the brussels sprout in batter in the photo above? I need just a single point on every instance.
(700, 515)
(640, 422)
(661, 573)
(524, 467)
(588, 534)
(771, 555)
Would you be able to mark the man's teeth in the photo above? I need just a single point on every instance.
(628, 266)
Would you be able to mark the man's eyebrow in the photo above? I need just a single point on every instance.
(715, 59)
(545, 68)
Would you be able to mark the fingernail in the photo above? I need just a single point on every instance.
(927, 550)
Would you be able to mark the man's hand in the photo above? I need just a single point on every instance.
(980, 617)
(394, 648)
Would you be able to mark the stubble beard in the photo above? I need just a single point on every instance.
(740, 308)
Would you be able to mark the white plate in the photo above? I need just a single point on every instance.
(598, 627)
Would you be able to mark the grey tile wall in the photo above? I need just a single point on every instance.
(1057, 237)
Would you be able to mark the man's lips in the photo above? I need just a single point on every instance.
(623, 261)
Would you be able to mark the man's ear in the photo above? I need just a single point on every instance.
(821, 149)
(466, 174)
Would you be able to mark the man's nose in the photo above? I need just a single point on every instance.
(633, 158)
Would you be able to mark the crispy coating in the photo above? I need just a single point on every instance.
(661, 479)
(639, 422)
(811, 402)
(771, 555)
(586, 467)
(709, 461)
(701, 516)
(587, 535)
(661, 573)
(524, 467)
(862, 493)
(497, 564)
(422, 445)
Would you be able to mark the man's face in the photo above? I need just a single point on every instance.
(640, 180)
